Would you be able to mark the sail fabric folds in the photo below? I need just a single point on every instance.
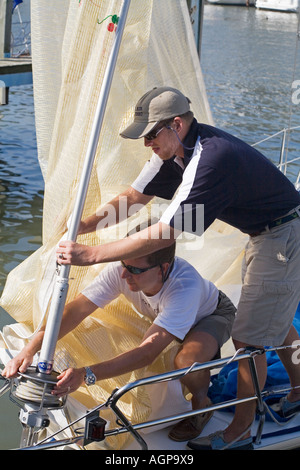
(71, 42)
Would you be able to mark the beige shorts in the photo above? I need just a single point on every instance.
(219, 323)
(271, 286)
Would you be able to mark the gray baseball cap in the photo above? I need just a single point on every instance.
(155, 106)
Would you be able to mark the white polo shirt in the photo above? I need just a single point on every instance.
(184, 299)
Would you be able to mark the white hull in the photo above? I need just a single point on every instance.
(291, 6)
(274, 437)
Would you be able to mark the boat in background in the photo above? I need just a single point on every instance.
(289, 6)
(244, 3)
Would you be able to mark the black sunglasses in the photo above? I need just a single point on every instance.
(153, 134)
(135, 270)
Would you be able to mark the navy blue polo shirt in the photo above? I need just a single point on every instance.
(233, 181)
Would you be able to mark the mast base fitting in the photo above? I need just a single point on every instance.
(34, 419)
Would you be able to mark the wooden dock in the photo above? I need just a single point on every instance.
(14, 72)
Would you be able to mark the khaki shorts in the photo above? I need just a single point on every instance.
(219, 323)
(271, 286)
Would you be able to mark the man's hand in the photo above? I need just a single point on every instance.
(20, 363)
(139, 244)
(69, 381)
(69, 252)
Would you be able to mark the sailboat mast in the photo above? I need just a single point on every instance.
(45, 364)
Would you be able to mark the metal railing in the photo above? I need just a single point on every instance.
(283, 162)
(125, 426)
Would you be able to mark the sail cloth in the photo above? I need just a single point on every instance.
(71, 42)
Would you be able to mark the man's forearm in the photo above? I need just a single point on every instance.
(35, 344)
(137, 245)
(73, 315)
(155, 341)
(127, 248)
(71, 379)
(127, 362)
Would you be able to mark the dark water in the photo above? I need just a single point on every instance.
(21, 184)
(248, 61)
(21, 199)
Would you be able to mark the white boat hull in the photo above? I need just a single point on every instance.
(274, 437)
(291, 6)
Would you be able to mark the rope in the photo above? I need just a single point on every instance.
(37, 392)
(237, 438)
(228, 362)
(272, 416)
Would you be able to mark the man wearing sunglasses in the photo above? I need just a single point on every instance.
(238, 185)
(181, 306)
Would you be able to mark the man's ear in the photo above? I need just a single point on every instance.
(177, 124)
(164, 271)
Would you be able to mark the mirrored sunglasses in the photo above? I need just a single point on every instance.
(135, 270)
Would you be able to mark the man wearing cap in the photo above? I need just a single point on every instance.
(238, 185)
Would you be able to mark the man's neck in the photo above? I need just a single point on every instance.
(153, 291)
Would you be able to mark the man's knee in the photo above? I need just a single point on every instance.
(183, 359)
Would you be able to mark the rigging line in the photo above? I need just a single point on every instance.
(274, 135)
(268, 138)
(291, 161)
(293, 79)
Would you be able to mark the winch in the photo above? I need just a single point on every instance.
(32, 392)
